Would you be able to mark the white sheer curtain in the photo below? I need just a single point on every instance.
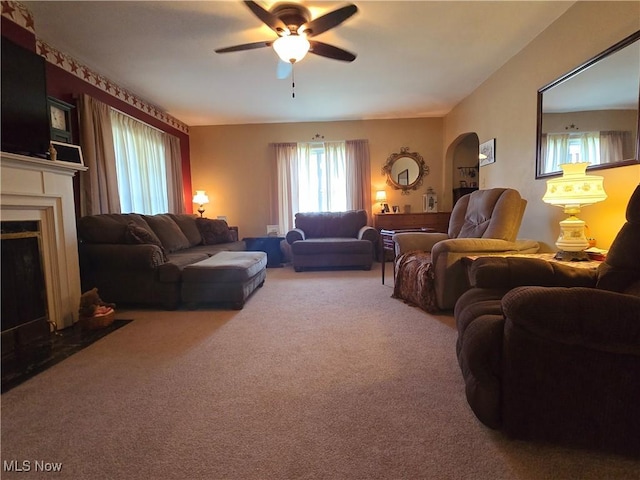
(590, 147)
(335, 179)
(322, 177)
(141, 166)
(557, 151)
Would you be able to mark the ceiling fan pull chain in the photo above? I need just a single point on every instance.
(293, 81)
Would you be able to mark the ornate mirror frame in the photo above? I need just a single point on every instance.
(405, 170)
(611, 97)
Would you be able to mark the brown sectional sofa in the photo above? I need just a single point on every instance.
(138, 259)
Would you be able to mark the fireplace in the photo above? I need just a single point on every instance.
(37, 206)
(24, 322)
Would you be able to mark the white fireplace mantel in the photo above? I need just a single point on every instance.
(42, 190)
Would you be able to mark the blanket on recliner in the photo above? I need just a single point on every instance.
(414, 280)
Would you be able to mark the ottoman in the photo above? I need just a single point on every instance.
(226, 277)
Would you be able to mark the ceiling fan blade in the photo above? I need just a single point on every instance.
(328, 21)
(329, 51)
(268, 18)
(245, 46)
(284, 69)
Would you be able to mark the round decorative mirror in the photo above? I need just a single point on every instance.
(405, 170)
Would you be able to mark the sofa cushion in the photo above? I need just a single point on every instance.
(331, 224)
(187, 223)
(319, 246)
(108, 227)
(214, 231)
(168, 232)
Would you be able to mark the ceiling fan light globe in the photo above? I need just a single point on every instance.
(291, 48)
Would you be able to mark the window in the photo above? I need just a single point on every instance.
(596, 148)
(322, 182)
(140, 166)
(317, 177)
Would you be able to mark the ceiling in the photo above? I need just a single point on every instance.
(415, 58)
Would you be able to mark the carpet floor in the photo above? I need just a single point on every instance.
(321, 376)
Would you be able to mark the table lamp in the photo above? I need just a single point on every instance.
(572, 191)
(200, 198)
(381, 196)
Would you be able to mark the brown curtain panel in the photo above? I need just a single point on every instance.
(175, 195)
(99, 184)
(359, 176)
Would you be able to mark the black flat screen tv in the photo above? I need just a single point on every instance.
(24, 115)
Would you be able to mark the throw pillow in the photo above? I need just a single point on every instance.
(214, 231)
(139, 235)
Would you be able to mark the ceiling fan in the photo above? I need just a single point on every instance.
(294, 26)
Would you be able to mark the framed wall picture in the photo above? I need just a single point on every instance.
(487, 152)
(67, 152)
(430, 202)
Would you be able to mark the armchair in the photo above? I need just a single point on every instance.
(332, 240)
(552, 352)
(429, 269)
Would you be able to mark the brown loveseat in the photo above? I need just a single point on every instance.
(138, 259)
(332, 239)
(552, 352)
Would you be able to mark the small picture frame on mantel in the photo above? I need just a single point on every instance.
(66, 152)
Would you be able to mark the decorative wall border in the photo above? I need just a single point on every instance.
(19, 14)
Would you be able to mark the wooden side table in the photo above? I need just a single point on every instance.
(549, 257)
(389, 246)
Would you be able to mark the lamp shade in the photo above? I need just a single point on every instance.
(575, 188)
(200, 197)
(381, 196)
(291, 48)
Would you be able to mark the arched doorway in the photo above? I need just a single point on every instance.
(462, 155)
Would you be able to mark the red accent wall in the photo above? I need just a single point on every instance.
(67, 87)
(17, 34)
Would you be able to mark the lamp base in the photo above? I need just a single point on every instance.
(566, 256)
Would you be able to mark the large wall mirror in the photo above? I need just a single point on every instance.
(591, 113)
(405, 170)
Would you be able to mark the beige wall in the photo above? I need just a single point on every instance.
(232, 162)
(505, 106)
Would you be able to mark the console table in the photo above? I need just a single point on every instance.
(391, 223)
(438, 221)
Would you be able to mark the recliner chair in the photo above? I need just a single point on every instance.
(551, 352)
(429, 269)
